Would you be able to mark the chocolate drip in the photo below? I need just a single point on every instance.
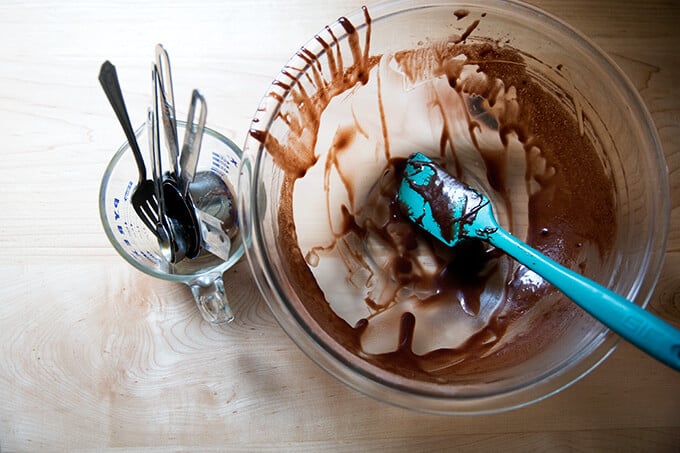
(461, 13)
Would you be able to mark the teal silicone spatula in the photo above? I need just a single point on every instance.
(452, 211)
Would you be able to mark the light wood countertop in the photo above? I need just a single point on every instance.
(96, 355)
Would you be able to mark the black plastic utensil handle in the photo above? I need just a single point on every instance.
(108, 77)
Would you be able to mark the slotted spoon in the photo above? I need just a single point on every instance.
(143, 197)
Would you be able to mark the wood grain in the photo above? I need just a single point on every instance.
(95, 355)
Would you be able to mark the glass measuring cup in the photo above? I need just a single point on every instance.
(217, 173)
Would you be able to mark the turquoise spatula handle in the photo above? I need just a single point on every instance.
(638, 326)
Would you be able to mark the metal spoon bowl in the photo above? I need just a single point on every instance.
(182, 212)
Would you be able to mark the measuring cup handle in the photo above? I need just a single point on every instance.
(211, 299)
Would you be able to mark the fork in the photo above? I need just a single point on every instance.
(143, 197)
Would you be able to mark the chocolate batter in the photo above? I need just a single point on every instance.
(417, 308)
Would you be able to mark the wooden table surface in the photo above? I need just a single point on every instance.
(96, 355)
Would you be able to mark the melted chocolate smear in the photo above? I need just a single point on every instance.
(574, 202)
(469, 266)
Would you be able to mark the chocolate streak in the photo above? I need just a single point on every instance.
(572, 206)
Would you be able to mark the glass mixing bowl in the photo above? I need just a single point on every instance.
(458, 82)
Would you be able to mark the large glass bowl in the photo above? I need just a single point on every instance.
(319, 91)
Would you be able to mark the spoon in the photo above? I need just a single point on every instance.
(181, 210)
(171, 237)
(215, 197)
(193, 136)
(452, 212)
(166, 95)
(215, 210)
(178, 205)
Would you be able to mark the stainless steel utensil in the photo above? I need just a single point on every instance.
(181, 210)
(171, 239)
(178, 207)
(214, 235)
(167, 106)
(143, 198)
(216, 213)
(213, 196)
(193, 136)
